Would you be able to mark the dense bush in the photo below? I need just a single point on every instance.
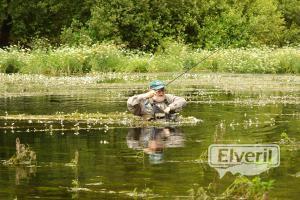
(145, 24)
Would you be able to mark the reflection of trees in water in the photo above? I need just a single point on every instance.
(24, 173)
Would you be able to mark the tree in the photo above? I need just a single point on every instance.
(234, 23)
(24, 20)
(143, 24)
(290, 10)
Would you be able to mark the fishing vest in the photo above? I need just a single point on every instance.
(155, 110)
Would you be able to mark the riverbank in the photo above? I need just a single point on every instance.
(173, 58)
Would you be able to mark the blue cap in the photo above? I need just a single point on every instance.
(157, 85)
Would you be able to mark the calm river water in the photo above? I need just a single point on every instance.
(118, 164)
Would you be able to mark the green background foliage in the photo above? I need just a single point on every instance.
(144, 24)
(170, 56)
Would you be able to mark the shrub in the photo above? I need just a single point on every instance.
(171, 56)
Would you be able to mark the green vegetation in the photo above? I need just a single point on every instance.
(89, 121)
(171, 56)
(145, 24)
(286, 140)
(23, 156)
(241, 188)
(75, 37)
(289, 143)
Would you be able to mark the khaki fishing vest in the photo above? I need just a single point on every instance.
(154, 109)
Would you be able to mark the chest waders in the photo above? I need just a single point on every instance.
(171, 116)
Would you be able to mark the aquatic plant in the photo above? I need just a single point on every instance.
(286, 140)
(76, 158)
(95, 121)
(288, 143)
(199, 193)
(203, 157)
(244, 188)
(75, 189)
(74, 161)
(196, 87)
(23, 156)
(75, 183)
(240, 188)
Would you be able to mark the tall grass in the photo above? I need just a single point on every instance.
(171, 57)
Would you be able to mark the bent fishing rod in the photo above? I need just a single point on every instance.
(195, 65)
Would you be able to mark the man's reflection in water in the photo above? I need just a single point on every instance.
(153, 140)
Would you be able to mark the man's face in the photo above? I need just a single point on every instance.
(160, 92)
(159, 95)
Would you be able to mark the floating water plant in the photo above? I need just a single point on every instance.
(89, 121)
(288, 142)
(23, 156)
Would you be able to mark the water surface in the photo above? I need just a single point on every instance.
(161, 162)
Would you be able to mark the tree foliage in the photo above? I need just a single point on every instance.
(37, 18)
(144, 24)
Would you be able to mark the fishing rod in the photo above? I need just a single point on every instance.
(192, 67)
(156, 108)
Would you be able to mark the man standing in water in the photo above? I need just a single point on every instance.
(156, 104)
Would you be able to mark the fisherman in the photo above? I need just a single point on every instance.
(156, 104)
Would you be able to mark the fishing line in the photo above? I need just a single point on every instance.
(192, 67)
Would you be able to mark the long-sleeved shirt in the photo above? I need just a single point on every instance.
(142, 106)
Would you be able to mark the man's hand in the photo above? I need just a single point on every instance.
(167, 110)
(150, 94)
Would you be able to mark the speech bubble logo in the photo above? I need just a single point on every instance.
(246, 159)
